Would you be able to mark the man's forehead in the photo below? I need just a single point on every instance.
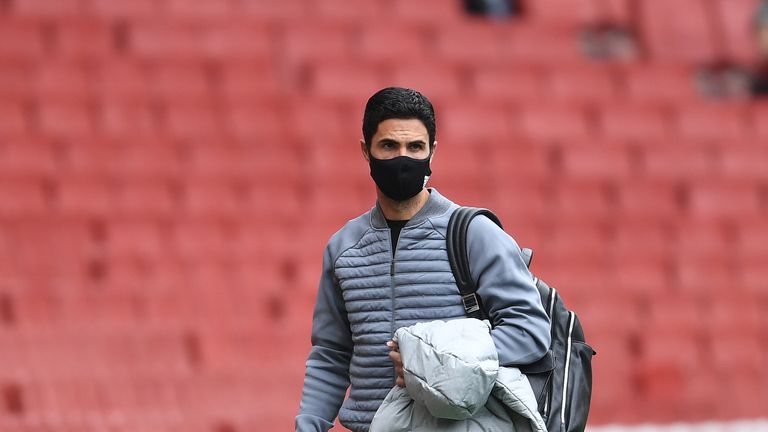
(401, 127)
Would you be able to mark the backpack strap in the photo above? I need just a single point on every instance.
(456, 239)
(456, 243)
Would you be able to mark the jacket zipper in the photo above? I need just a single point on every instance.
(392, 289)
(571, 320)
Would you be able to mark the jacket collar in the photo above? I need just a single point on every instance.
(436, 205)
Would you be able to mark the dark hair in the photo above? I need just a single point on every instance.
(397, 103)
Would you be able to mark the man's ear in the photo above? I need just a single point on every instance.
(364, 149)
(432, 151)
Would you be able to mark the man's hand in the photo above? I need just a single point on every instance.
(394, 355)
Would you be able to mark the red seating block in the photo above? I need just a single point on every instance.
(712, 122)
(554, 123)
(21, 38)
(651, 200)
(475, 42)
(13, 119)
(115, 118)
(701, 278)
(84, 38)
(582, 200)
(671, 39)
(65, 81)
(640, 276)
(472, 124)
(576, 83)
(724, 200)
(381, 44)
(433, 12)
(341, 10)
(736, 19)
(46, 9)
(759, 111)
(201, 9)
(22, 198)
(678, 162)
(84, 196)
(499, 83)
(154, 40)
(200, 120)
(640, 240)
(736, 316)
(597, 162)
(284, 12)
(752, 240)
(446, 85)
(116, 79)
(133, 9)
(633, 122)
(249, 82)
(14, 80)
(753, 278)
(564, 12)
(316, 41)
(179, 82)
(538, 45)
(744, 163)
(250, 121)
(22, 157)
(519, 203)
(518, 161)
(349, 82)
(703, 240)
(144, 198)
(656, 83)
(210, 199)
(65, 119)
(311, 117)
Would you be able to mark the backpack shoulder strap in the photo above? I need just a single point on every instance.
(456, 239)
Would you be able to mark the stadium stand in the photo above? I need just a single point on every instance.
(171, 169)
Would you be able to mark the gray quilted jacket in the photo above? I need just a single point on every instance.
(453, 383)
(366, 293)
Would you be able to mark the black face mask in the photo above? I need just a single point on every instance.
(400, 178)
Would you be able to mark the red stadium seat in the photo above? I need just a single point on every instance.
(725, 200)
(712, 122)
(670, 39)
(597, 163)
(649, 200)
(660, 82)
(21, 38)
(554, 123)
(502, 83)
(582, 84)
(735, 20)
(678, 162)
(620, 121)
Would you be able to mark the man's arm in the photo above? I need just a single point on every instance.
(327, 374)
(520, 323)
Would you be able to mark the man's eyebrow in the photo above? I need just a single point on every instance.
(392, 141)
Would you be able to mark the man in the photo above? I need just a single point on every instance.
(389, 268)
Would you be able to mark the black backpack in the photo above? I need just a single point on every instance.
(562, 380)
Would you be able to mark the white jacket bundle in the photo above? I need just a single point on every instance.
(453, 382)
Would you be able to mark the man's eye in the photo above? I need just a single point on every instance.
(416, 147)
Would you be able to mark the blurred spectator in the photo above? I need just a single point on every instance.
(608, 42)
(726, 79)
(493, 8)
(759, 84)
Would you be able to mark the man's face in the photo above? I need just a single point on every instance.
(399, 137)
